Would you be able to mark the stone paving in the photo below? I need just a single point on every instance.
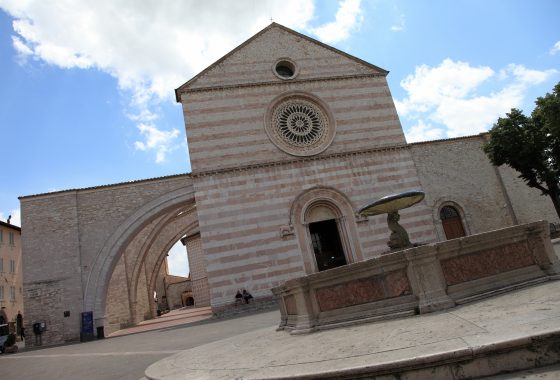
(125, 357)
(173, 318)
(249, 347)
(268, 354)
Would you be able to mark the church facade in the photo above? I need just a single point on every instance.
(288, 138)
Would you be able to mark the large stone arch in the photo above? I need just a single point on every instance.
(96, 285)
(161, 237)
(162, 241)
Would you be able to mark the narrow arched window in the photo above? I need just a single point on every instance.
(451, 222)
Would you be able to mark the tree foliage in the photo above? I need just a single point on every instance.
(531, 145)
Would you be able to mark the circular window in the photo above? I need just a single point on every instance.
(299, 125)
(285, 69)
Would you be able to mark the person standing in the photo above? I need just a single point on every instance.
(246, 296)
(19, 325)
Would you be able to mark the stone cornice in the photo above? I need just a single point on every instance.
(134, 182)
(282, 83)
(481, 135)
(321, 157)
(203, 173)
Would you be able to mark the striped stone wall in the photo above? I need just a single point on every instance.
(241, 214)
(197, 268)
(253, 61)
(246, 186)
(226, 128)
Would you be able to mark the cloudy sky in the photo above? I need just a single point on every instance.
(86, 87)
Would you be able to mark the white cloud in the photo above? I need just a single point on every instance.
(429, 86)
(21, 47)
(400, 27)
(423, 132)
(162, 142)
(527, 76)
(152, 47)
(348, 18)
(453, 97)
(555, 49)
(16, 217)
(177, 261)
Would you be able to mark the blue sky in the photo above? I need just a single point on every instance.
(86, 88)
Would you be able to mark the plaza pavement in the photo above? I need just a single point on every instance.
(126, 357)
(180, 345)
(421, 347)
(173, 318)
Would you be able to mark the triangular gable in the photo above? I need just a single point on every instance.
(250, 62)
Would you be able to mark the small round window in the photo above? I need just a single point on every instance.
(285, 69)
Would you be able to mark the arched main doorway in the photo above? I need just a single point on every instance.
(324, 223)
(325, 236)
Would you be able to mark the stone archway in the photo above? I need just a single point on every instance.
(97, 283)
(133, 281)
(160, 248)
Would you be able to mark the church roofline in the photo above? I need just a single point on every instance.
(9, 225)
(451, 139)
(104, 186)
(185, 85)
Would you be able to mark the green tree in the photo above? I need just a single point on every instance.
(531, 145)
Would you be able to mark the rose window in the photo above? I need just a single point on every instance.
(299, 123)
(299, 126)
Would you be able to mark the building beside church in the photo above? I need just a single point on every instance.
(288, 138)
(11, 278)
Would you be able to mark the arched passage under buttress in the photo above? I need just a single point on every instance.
(133, 282)
(162, 238)
(135, 231)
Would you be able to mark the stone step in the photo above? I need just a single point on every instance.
(256, 305)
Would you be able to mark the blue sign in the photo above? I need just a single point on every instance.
(87, 322)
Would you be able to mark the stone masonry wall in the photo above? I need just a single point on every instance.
(254, 62)
(160, 286)
(197, 268)
(225, 107)
(241, 213)
(226, 128)
(528, 203)
(51, 260)
(175, 290)
(458, 171)
(62, 234)
(102, 210)
(143, 297)
(118, 307)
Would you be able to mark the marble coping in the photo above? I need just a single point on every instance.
(423, 279)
